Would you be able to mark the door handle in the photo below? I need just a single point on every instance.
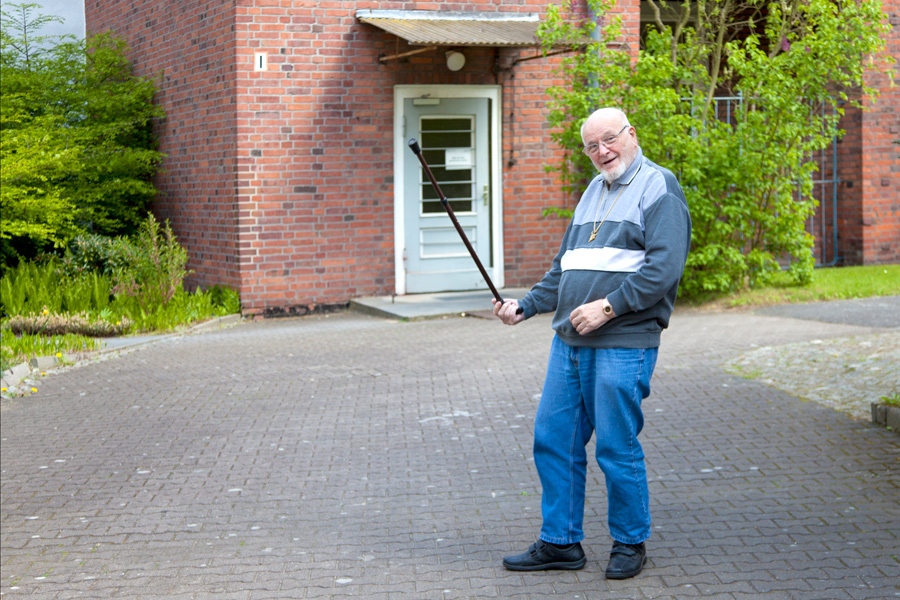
(485, 196)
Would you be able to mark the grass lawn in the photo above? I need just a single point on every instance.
(832, 283)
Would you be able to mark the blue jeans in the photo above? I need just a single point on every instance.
(590, 389)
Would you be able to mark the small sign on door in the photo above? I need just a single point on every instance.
(457, 158)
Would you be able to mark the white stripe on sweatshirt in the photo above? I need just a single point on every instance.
(602, 259)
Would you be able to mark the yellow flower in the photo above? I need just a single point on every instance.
(59, 355)
(2, 389)
(33, 389)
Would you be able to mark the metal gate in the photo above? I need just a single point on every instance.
(823, 224)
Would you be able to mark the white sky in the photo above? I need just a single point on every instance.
(70, 10)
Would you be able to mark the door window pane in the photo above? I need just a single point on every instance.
(440, 134)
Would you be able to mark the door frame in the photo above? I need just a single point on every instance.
(402, 153)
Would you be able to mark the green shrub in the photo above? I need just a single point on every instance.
(91, 252)
(225, 298)
(154, 266)
(183, 308)
(103, 287)
(32, 287)
(787, 74)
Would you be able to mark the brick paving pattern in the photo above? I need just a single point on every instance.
(348, 456)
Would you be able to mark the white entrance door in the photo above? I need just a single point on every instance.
(454, 134)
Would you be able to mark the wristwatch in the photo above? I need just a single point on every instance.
(607, 308)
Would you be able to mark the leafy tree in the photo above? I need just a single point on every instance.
(789, 68)
(76, 146)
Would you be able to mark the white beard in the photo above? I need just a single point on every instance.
(626, 158)
(612, 175)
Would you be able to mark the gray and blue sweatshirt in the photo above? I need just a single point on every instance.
(635, 261)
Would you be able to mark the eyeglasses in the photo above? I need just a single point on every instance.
(607, 143)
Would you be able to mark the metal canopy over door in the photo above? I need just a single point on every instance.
(454, 134)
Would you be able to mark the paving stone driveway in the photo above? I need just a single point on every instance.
(348, 456)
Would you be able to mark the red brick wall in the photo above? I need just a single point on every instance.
(189, 48)
(869, 197)
(880, 173)
(630, 12)
(850, 190)
(281, 182)
(315, 150)
(530, 239)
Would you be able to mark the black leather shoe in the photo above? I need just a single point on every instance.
(542, 556)
(626, 560)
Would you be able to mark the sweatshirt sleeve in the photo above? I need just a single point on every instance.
(667, 235)
(544, 296)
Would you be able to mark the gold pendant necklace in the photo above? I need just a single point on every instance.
(597, 213)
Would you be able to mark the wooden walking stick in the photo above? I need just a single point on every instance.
(414, 146)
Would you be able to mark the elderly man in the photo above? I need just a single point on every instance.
(612, 286)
